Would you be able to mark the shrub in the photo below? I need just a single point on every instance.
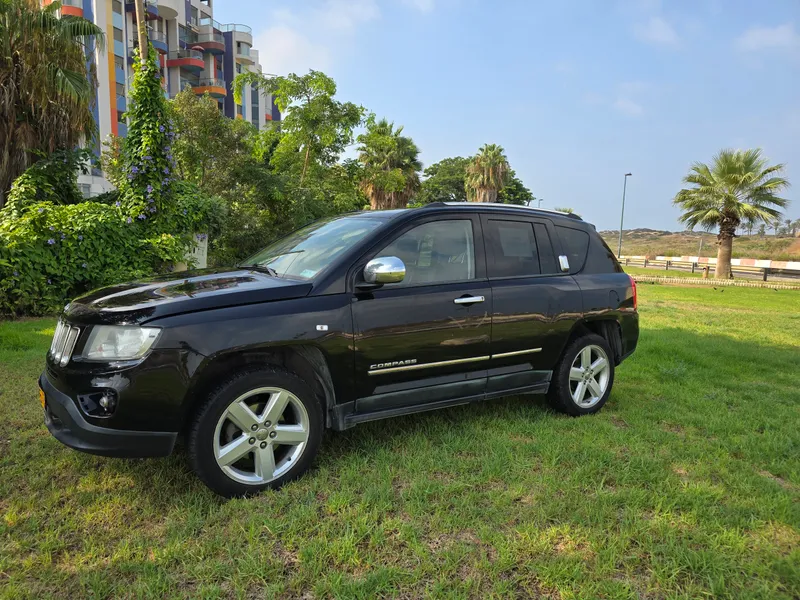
(50, 254)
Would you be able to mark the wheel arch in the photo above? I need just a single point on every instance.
(305, 360)
(608, 328)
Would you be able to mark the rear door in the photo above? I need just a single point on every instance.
(425, 339)
(534, 304)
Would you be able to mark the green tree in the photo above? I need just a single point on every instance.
(391, 165)
(209, 149)
(487, 174)
(45, 95)
(314, 125)
(514, 191)
(444, 181)
(738, 186)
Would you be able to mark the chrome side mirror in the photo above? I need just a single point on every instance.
(384, 269)
(563, 262)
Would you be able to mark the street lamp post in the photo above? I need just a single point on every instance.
(622, 216)
(540, 202)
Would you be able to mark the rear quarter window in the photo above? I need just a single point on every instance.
(601, 259)
(575, 243)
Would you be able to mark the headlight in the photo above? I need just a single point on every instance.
(108, 342)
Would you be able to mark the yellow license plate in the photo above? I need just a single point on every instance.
(41, 396)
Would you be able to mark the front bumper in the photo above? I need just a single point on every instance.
(68, 426)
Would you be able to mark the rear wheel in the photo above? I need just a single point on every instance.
(258, 430)
(583, 379)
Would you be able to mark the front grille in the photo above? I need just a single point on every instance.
(63, 343)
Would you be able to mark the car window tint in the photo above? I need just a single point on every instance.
(514, 251)
(547, 257)
(435, 252)
(575, 243)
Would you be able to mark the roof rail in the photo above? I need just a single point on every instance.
(501, 205)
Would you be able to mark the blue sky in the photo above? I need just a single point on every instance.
(578, 93)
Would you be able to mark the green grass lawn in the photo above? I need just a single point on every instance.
(686, 485)
(661, 272)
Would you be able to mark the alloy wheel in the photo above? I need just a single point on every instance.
(589, 376)
(261, 435)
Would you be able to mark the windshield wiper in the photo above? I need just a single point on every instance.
(263, 268)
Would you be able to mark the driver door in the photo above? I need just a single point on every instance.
(425, 339)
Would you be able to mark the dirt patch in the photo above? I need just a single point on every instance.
(779, 480)
(619, 422)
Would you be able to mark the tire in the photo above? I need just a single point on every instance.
(564, 385)
(234, 442)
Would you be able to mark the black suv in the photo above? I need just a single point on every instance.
(350, 319)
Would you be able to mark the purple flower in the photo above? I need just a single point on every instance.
(80, 238)
(117, 203)
(84, 265)
(51, 241)
(16, 273)
(52, 228)
(161, 128)
(148, 157)
(184, 211)
(129, 220)
(149, 189)
(150, 200)
(130, 177)
(41, 210)
(134, 169)
(49, 282)
(166, 170)
(152, 209)
(63, 237)
(141, 217)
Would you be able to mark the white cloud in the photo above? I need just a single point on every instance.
(311, 37)
(425, 6)
(283, 50)
(657, 31)
(780, 37)
(628, 107)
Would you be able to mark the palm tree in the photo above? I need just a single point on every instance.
(391, 165)
(45, 94)
(487, 174)
(567, 210)
(738, 186)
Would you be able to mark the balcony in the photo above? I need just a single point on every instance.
(211, 42)
(191, 60)
(215, 87)
(241, 33)
(159, 41)
(243, 56)
(150, 9)
(73, 8)
(168, 9)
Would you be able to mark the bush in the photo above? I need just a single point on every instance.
(50, 254)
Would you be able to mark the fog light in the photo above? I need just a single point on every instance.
(99, 404)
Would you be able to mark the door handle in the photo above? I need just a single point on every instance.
(469, 300)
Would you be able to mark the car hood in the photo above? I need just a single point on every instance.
(146, 299)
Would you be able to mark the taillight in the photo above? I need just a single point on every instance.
(635, 294)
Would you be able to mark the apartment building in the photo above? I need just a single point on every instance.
(194, 50)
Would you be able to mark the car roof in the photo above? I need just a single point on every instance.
(476, 206)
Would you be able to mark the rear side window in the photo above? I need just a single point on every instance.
(514, 252)
(575, 243)
(601, 259)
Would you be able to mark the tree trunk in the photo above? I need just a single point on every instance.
(141, 28)
(491, 195)
(305, 164)
(725, 237)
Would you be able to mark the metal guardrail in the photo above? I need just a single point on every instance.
(211, 82)
(210, 37)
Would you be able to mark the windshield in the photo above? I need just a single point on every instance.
(307, 251)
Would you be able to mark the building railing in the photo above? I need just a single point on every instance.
(237, 28)
(210, 37)
(75, 3)
(211, 82)
(206, 21)
(157, 36)
(185, 53)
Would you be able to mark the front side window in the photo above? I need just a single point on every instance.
(435, 252)
(308, 251)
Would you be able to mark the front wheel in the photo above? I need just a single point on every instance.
(582, 381)
(258, 430)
